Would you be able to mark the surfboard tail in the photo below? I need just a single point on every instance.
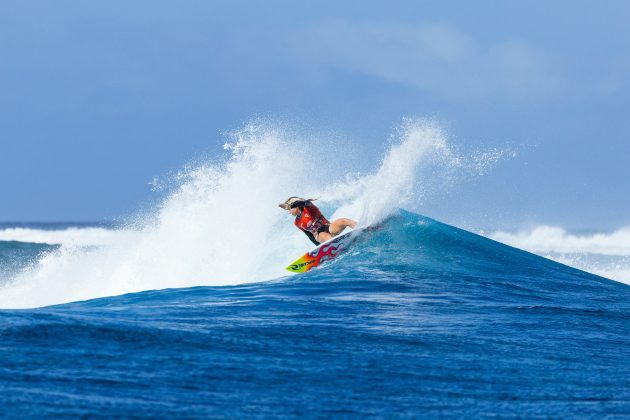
(303, 264)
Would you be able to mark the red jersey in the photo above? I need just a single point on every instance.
(311, 219)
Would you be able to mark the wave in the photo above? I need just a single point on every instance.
(406, 245)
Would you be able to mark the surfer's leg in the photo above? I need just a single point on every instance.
(337, 226)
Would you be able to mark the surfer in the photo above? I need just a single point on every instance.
(312, 222)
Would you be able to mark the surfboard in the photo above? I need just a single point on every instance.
(325, 251)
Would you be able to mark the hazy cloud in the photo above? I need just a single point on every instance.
(432, 57)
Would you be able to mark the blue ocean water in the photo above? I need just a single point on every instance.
(420, 319)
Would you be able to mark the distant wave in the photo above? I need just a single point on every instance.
(70, 236)
(604, 254)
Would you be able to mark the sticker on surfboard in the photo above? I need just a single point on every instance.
(324, 252)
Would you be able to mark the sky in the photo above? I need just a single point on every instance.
(98, 98)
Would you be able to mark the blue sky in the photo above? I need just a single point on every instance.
(97, 98)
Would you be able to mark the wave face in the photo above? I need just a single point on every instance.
(419, 319)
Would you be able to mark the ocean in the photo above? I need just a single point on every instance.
(185, 311)
(420, 319)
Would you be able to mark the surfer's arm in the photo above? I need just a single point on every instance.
(305, 203)
(311, 237)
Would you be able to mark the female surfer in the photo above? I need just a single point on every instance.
(312, 222)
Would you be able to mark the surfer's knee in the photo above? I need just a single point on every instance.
(323, 237)
(337, 226)
(344, 223)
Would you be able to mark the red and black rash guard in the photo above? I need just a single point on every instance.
(310, 220)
